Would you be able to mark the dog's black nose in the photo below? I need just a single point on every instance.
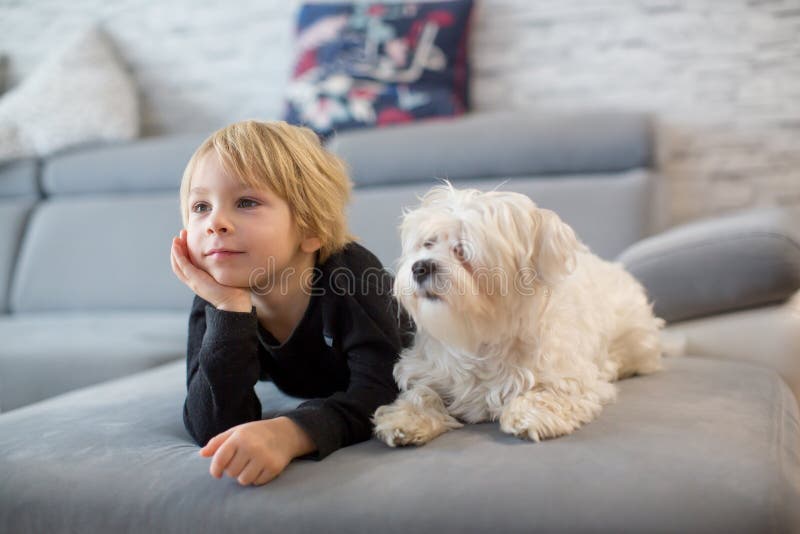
(422, 269)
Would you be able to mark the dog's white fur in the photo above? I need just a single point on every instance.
(520, 321)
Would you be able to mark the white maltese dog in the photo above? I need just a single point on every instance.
(516, 320)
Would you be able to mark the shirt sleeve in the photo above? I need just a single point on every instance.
(222, 367)
(372, 334)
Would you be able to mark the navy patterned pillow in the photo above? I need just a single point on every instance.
(371, 64)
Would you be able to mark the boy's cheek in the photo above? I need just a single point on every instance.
(197, 259)
(194, 248)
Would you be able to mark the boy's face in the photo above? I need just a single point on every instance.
(242, 237)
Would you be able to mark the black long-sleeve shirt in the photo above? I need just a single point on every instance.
(340, 355)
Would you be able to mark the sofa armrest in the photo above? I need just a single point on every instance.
(722, 264)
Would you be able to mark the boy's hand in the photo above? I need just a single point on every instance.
(203, 284)
(256, 452)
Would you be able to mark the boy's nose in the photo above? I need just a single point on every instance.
(218, 225)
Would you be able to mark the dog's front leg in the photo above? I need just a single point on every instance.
(416, 417)
(546, 412)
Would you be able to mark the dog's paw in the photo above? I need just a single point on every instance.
(537, 416)
(402, 424)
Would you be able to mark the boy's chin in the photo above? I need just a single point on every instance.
(230, 279)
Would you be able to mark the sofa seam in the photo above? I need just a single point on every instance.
(19, 248)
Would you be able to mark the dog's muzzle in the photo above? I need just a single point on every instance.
(422, 270)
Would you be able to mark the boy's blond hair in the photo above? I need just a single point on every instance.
(291, 162)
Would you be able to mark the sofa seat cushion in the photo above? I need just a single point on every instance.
(704, 446)
(43, 355)
(769, 335)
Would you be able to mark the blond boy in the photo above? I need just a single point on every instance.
(282, 293)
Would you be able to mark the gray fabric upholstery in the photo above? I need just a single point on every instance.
(3, 72)
(19, 178)
(721, 264)
(43, 355)
(150, 164)
(13, 215)
(100, 253)
(608, 211)
(497, 145)
(704, 446)
(768, 335)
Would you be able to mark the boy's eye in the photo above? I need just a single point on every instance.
(199, 207)
(247, 203)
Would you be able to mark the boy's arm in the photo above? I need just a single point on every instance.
(221, 369)
(345, 418)
(372, 338)
(299, 442)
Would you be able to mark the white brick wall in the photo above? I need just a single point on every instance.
(722, 75)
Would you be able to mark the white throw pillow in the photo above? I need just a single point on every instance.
(81, 94)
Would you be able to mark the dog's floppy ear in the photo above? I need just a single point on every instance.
(538, 239)
(556, 246)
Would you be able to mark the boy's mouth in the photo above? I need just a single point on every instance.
(223, 252)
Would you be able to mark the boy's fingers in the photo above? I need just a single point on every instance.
(182, 239)
(181, 274)
(173, 261)
(187, 267)
(263, 478)
(178, 250)
(250, 473)
(237, 464)
(185, 264)
(221, 459)
(209, 449)
(215, 442)
(175, 267)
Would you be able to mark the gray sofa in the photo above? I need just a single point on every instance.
(92, 376)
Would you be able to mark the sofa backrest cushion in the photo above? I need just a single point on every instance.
(608, 211)
(151, 164)
(497, 145)
(100, 240)
(102, 252)
(19, 178)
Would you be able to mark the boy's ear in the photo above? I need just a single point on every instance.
(311, 244)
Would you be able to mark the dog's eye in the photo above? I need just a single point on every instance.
(428, 243)
(458, 252)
